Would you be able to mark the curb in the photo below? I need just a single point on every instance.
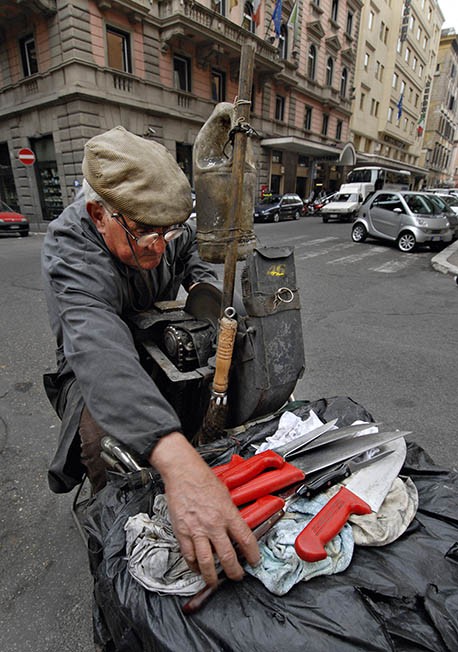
(441, 263)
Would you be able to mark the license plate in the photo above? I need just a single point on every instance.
(436, 238)
(333, 215)
(14, 226)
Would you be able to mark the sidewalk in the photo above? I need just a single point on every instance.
(447, 261)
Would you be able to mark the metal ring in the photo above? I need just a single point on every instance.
(229, 312)
(288, 292)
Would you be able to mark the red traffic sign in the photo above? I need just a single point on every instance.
(26, 156)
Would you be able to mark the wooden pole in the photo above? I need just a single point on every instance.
(242, 113)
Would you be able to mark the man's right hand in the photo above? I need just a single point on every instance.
(205, 521)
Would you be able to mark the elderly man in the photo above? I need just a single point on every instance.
(121, 248)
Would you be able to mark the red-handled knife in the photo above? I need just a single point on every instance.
(364, 494)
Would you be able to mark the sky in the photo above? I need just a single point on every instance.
(450, 10)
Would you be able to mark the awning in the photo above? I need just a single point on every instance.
(301, 146)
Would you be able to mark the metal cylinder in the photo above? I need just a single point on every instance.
(212, 162)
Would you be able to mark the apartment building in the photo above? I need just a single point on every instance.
(440, 137)
(72, 69)
(397, 52)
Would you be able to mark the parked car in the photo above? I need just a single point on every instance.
(317, 204)
(273, 208)
(448, 204)
(405, 217)
(343, 206)
(12, 222)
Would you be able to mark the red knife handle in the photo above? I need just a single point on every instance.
(235, 459)
(261, 510)
(242, 473)
(323, 527)
(266, 483)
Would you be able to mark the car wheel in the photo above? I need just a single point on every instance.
(359, 233)
(407, 242)
(297, 215)
(276, 217)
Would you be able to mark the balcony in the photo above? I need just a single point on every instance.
(215, 37)
(13, 9)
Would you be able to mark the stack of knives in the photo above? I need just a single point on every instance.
(264, 485)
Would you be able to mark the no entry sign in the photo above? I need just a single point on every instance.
(26, 156)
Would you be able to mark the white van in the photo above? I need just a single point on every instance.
(345, 204)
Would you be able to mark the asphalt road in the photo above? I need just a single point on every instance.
(378, 326)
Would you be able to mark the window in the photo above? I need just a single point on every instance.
(182, 73)
(390, 114)
(407, 55)
(308, 118)
(420, 71)
(329, 71)
(220, 7)
(334, 10)
(361, 101)
(118, 49)
(279, 108)
(311, 65)
(403, 87)
(339, 130)
(344, 82)
(248, 19)
(349, 28)
(382, 31)
(218, 83)
(414, 63)
(28, 55)
(366, 61)
(325, 124)
(394, 83)
(277, 156)
(370, 23)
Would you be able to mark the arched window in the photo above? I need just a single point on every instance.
(311, 65)
(329, 71)
(248, 19)
(343, 82)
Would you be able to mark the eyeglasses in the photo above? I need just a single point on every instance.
(148, 239)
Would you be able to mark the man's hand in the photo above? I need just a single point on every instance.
(203, 516)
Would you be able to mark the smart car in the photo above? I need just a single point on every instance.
(404, 217)
(12, 222)
(273, 208)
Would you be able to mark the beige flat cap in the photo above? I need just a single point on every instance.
(137, 177)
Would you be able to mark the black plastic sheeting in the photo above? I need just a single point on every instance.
(401, 597)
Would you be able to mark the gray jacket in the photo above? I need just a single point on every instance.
(90, 294)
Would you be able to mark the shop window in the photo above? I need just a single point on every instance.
(218, 82)
(118, 49)
(182, 73)
(28, 55)
(47, 176)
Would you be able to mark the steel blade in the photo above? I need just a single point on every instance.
(335, 435)
(285, 449)
(373, 483)
(344, 449)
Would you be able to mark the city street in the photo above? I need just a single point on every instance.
(378, 326)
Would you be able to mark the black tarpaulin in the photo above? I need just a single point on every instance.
(401, 597)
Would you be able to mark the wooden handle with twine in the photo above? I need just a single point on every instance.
(224, 349)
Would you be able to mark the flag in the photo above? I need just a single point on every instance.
(256, 11)
(421, 124)
(276, 17)
(399, 105)
(292, 20)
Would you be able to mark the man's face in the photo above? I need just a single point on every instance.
(121, 244)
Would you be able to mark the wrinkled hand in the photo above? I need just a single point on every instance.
(204, 519)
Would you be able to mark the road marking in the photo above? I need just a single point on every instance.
(323, 252)
(354, 258)
(392, 266)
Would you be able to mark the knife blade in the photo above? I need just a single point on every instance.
(335, 435)
(302, 440)
(364, 494)
(321, 480)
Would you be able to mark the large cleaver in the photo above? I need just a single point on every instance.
(364, 494)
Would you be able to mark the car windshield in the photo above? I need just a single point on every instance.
(4, 208)
(422, 205)
(270, 199)
(440, 203)
(346, 196)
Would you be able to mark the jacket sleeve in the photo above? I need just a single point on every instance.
(85, 295)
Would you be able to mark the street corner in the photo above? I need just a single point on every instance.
(446, 261)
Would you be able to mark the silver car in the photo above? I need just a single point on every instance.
(405, 217)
